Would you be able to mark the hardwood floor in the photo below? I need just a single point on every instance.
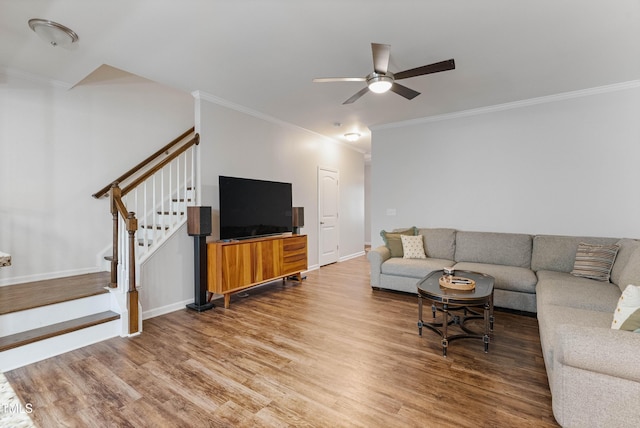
(331, 352)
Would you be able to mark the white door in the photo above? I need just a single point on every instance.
(328, 215)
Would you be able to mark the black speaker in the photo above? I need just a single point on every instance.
(298, 219)
(199, 221)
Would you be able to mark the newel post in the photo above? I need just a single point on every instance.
(115, 193)
(132, 294)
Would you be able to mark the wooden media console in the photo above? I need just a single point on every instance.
(235, 265)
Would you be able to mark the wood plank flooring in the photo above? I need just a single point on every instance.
(331, 352)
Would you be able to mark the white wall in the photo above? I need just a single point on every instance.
(58, 147)
(566, 166)
(367, 203)
(242, 144)
(167, 277)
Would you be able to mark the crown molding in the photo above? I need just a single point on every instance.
(18, 74)
(201, 95)
(632, 84)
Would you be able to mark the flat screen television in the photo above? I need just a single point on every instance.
(251, 208)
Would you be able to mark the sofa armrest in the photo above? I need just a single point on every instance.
(601, 350)
(376, 257)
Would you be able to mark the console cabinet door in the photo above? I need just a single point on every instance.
(266, 259)
(236, 266)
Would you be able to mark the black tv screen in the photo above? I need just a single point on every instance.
(251, 208)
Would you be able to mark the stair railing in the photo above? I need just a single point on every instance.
(159, 189)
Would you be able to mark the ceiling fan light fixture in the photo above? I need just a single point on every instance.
(379, 83)
(352, 136)
(53, 33)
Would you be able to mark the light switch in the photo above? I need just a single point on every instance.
(391, 211)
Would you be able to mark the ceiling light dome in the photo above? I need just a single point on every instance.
(379, 83)
(352, 136)
(53, 33)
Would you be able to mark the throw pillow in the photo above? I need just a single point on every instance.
(631, 272)
(412, 247)
(627, 314)
(627, 247)
(393, 242)
(594, 261)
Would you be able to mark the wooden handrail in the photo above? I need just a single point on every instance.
(194, 141)
(100, 193)
(121, 208)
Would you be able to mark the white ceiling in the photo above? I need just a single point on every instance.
(263, 54)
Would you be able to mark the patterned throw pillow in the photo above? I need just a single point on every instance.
(392, 240)
(413, 247)
(594, 261)
(627, 314)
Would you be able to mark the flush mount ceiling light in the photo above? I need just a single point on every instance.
(352, 136)
(53, 33)
(379, 83)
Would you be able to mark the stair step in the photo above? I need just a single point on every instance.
(170, 213)
(19, 297)
(31, 336)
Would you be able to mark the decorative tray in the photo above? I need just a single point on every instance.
(457, 282)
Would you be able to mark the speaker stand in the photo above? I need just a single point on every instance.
(200, 274)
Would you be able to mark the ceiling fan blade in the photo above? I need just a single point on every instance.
(339, 79)
(380, 57)
(404, 91)
(357, 95)
(426, 69)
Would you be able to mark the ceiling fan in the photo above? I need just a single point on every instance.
(382, 80)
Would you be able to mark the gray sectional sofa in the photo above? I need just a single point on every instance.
(593, 370)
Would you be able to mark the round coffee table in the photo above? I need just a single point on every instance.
(469, 301)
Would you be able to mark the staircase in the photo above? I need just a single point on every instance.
(45, 318)
(148, 204)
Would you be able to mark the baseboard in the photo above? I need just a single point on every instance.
(351, 256)
(313, 267)
(46, 276)
(156, 312)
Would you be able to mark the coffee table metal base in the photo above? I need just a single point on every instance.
(448, 319)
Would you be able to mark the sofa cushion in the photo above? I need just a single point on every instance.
(627, 247)
(439, 243)
(392, 240)
(509, 249)
(627, 313)
(511, 278)
(415, 268)
(551, 252)
(594, 261)
(412, 247)
(556, 289)
(631, 272)
(555, 316)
